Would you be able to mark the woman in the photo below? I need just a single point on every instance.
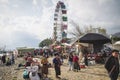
(33, 72)
(44, 62)
(76, 63)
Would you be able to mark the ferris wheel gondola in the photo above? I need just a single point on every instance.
(60, 22)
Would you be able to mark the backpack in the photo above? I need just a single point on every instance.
(25, 74)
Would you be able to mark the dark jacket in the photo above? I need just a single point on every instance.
(112, 65)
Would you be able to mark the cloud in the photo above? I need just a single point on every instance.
(16, 30)
(24, 23)
(19, 39)
(96, 12)
(104, 1)
(25, 39)
(4, 1)
(29, 21)
(35, 2)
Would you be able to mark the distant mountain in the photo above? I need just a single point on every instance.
(116, 34)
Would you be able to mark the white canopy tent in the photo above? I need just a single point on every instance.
(116, 45)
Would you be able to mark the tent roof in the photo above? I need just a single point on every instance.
(94, 38)
(117, 43)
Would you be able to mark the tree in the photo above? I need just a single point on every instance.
(115, 39)
(77, 31)
(45, 42)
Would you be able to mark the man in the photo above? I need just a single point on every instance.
(70, 60)
(57, 64)
(112, 65)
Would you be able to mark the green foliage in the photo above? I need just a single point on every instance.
(115, 38)
(45, 42)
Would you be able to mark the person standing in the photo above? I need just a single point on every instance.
(44, 62)
(70, 61)
(3, 59)
(29, 61)
(86, 60)
(57, 64)
(12, 59)
(76, 62)
(112, 65)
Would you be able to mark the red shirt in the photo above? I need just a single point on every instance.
(75, 59)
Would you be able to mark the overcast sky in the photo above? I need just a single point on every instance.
(27, 22)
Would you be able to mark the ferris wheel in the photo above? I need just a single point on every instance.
(60, 22)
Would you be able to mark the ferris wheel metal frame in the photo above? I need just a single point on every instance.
(60, 22)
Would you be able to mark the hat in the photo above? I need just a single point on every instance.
(56, 54)
(115, 50)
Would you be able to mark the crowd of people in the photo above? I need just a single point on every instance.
(74, 64)
(43, 65)
(7, 60)
(37, 68)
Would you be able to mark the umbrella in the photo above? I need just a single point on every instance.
(94, 38)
